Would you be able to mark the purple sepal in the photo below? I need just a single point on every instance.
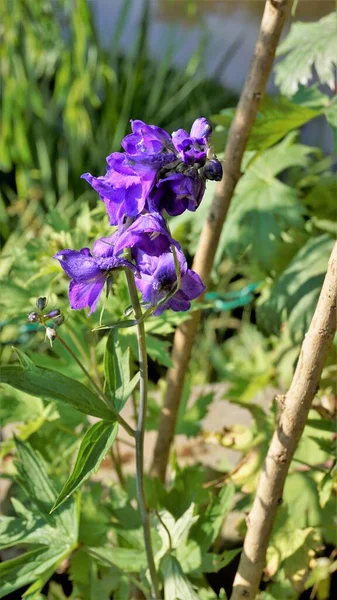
(148, 233)
(160, 278)
(89, 273)
(192, 147)
(124, 188)
(178, 192)
(149, 144)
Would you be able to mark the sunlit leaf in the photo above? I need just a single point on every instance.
(52, 385)
(294, 296)
(94, 446)
(308, 45)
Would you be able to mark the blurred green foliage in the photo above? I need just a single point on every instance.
(66, 103)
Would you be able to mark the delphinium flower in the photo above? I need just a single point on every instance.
(90, 271)
(157, 174)
(160, 278)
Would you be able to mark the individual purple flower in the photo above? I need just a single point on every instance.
(192, 147)
(89, 273)
(178, 192)
(159, 278)
(149, 144)
(148, 233)
(124, 188)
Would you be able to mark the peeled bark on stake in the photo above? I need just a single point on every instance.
(271, 26)
(295, 409)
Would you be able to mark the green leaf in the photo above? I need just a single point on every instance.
(294, 296)
(24, 359)
(189, 421)
(331, 117)
(117, 372)
(211, 521)
(308, 46)
(311, 97)
(290, 546)
(176, 585)
(33, 478)
(95, 522)
(14, 297)
(17, 406)
(94, 446)
(327, 446)
(321, 199)
(323, 424)
(212, 563)
(165, 323)
(52, 385)
(30, 567)
(129, 561)
(31, 529)
(263, 207)
(278, 116)
(158, 350)
(178, 530)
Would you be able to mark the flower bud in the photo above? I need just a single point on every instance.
(212, 170)
(50, 334)
(33, 317)
(53, 313)
(41, 303)
(59, 321)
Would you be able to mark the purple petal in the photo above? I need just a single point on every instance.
(82, 295)
(105, 245)
(191, 285)
(78, 265)
(201, 128)
(148, 233)
(179, 138)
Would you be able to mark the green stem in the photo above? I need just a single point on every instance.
(117, 416)
(143, 388)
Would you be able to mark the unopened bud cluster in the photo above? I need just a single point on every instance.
(53, 315)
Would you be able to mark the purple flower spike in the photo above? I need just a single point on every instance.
(124, 188)
(178, 192)
(161, 278)
(192, 147)
(148, 233)
(149, 144)
(88, 275)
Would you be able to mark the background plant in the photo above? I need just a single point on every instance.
(259, 306)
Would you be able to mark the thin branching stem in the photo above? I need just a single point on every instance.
(117, 416)
(143, 389)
